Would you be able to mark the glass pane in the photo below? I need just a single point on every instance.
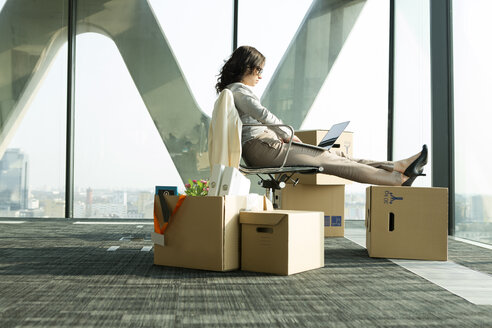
(138, 123)
(284, 20)
(322, 78)
(356, 89)
(33, 91)
(472, 103)
(211, 42)
(412, 115)
(119, 155)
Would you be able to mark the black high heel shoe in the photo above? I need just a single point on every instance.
(415, 169)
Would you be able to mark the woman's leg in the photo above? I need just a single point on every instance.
(399, 166)
(385, 165)
(270, 152)
(363, 171)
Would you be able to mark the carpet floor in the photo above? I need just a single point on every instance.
(54, 273)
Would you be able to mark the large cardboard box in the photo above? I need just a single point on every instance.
(203, 233)
(281, 242)
(344, 143)
(407, 222)
(327, 199)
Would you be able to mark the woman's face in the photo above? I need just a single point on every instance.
(253, 78)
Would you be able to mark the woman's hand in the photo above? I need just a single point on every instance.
(294, 138)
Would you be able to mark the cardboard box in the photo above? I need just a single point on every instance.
(281, 242)
(327, 199)
(204, 232)
(407, 222)
(344, 143)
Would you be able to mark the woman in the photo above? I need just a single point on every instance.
(263, 146)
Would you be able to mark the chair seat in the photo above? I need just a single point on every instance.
(305, 169)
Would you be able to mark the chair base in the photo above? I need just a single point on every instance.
(277, 182)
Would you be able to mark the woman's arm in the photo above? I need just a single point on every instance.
(252, 106)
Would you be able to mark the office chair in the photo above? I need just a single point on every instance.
(278, 175)
(225, 145)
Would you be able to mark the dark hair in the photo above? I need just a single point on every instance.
(242, 61)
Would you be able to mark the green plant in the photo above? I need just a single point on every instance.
(196, 188)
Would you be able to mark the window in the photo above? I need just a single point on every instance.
(143, 100)
(472, 103)
(326, 73)
(33, 106)
(412, 101)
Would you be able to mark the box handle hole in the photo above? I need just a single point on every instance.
(391, 221)
(264, 230)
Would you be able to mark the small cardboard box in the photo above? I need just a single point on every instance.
(407, 222)
(203, 233)
(344, 143)
(327, 199)
(281, 242)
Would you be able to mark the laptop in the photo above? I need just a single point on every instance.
(329, 139)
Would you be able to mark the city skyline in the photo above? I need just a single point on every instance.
(124, 203)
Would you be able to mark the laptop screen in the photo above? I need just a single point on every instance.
(333, 134)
